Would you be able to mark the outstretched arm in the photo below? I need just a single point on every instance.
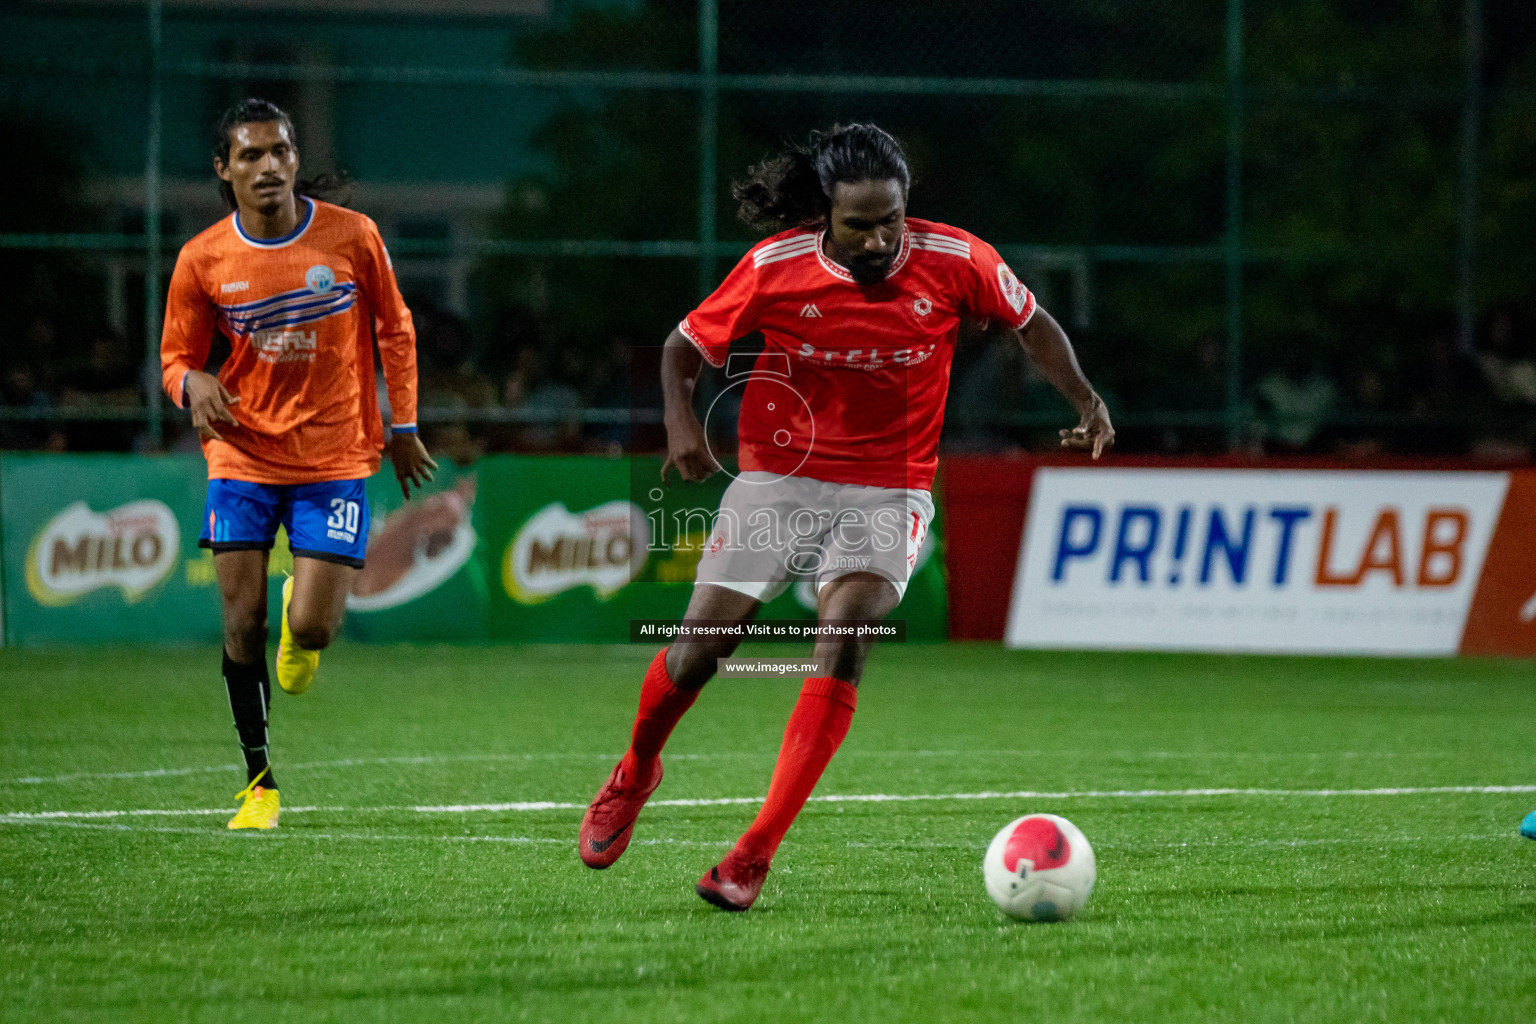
(1047, 346)
(687, 448)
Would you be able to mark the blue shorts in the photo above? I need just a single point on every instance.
(327, 520)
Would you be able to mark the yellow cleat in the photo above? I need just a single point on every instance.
(259, 809)
(295, 666)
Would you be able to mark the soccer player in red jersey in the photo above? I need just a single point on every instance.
(839, 430)
(291, 425)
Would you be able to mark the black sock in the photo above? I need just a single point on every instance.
(250, 695)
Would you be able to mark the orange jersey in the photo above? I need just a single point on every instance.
(301, 313)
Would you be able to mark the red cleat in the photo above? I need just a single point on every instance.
(610, 821)
(734, 883)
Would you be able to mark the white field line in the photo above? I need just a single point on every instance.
(429, 759)
(1021, 794)
(280, 833)
(830, 798)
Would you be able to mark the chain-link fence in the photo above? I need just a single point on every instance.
(1307, 228)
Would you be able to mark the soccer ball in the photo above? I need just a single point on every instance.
(1039, 868)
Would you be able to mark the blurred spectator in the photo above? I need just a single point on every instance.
(1445, 392)
(30, 381)
(1508, 370)
(1505, 360)
(1298, 401)
(19, 390)
(554, 406)
(992, 384)
(449, 378)
(1197, 387)
(610, 383)
(1359, 437)
(106, 377)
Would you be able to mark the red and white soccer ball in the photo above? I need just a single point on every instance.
(1040, 868)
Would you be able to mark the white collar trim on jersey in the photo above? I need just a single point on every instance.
(840, 272)
(277, 243)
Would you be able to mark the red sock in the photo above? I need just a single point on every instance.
(661, 705)
(816, 728)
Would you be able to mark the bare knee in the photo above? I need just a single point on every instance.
(245, 632)
(312, 635)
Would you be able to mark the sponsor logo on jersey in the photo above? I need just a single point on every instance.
(922, 306)
(558, 550)
(236, 286)
(1013, 289)
(319, 278)
(866, 358)
(132, 547)
(285, 346)
(809, 309)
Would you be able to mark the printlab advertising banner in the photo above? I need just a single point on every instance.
(528, 548)
(1420, 563)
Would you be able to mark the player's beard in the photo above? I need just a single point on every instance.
(867, 271)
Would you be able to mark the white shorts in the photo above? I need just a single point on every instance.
(773, 529)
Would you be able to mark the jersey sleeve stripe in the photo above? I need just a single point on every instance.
(688, 333)
(784, 243)
(403, 428)
(934, 236)
(804, 248)
(942, 243)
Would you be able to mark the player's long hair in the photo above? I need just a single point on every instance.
(333, 187)
(794, 188)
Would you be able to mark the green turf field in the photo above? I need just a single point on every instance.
(1293, 906)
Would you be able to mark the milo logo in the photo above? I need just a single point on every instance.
(557, 550)
(132, 546)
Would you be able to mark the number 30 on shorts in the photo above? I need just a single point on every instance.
(344, 515)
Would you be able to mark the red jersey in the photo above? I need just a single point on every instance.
(851, 387)
(301, 313)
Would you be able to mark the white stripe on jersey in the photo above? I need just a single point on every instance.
(784, 243)
(941, 243)
(764, 257)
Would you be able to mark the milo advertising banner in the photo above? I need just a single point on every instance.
(102, 547)
(523, 548)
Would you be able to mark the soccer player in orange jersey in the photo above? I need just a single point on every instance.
(291, 425)
(859, 306)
